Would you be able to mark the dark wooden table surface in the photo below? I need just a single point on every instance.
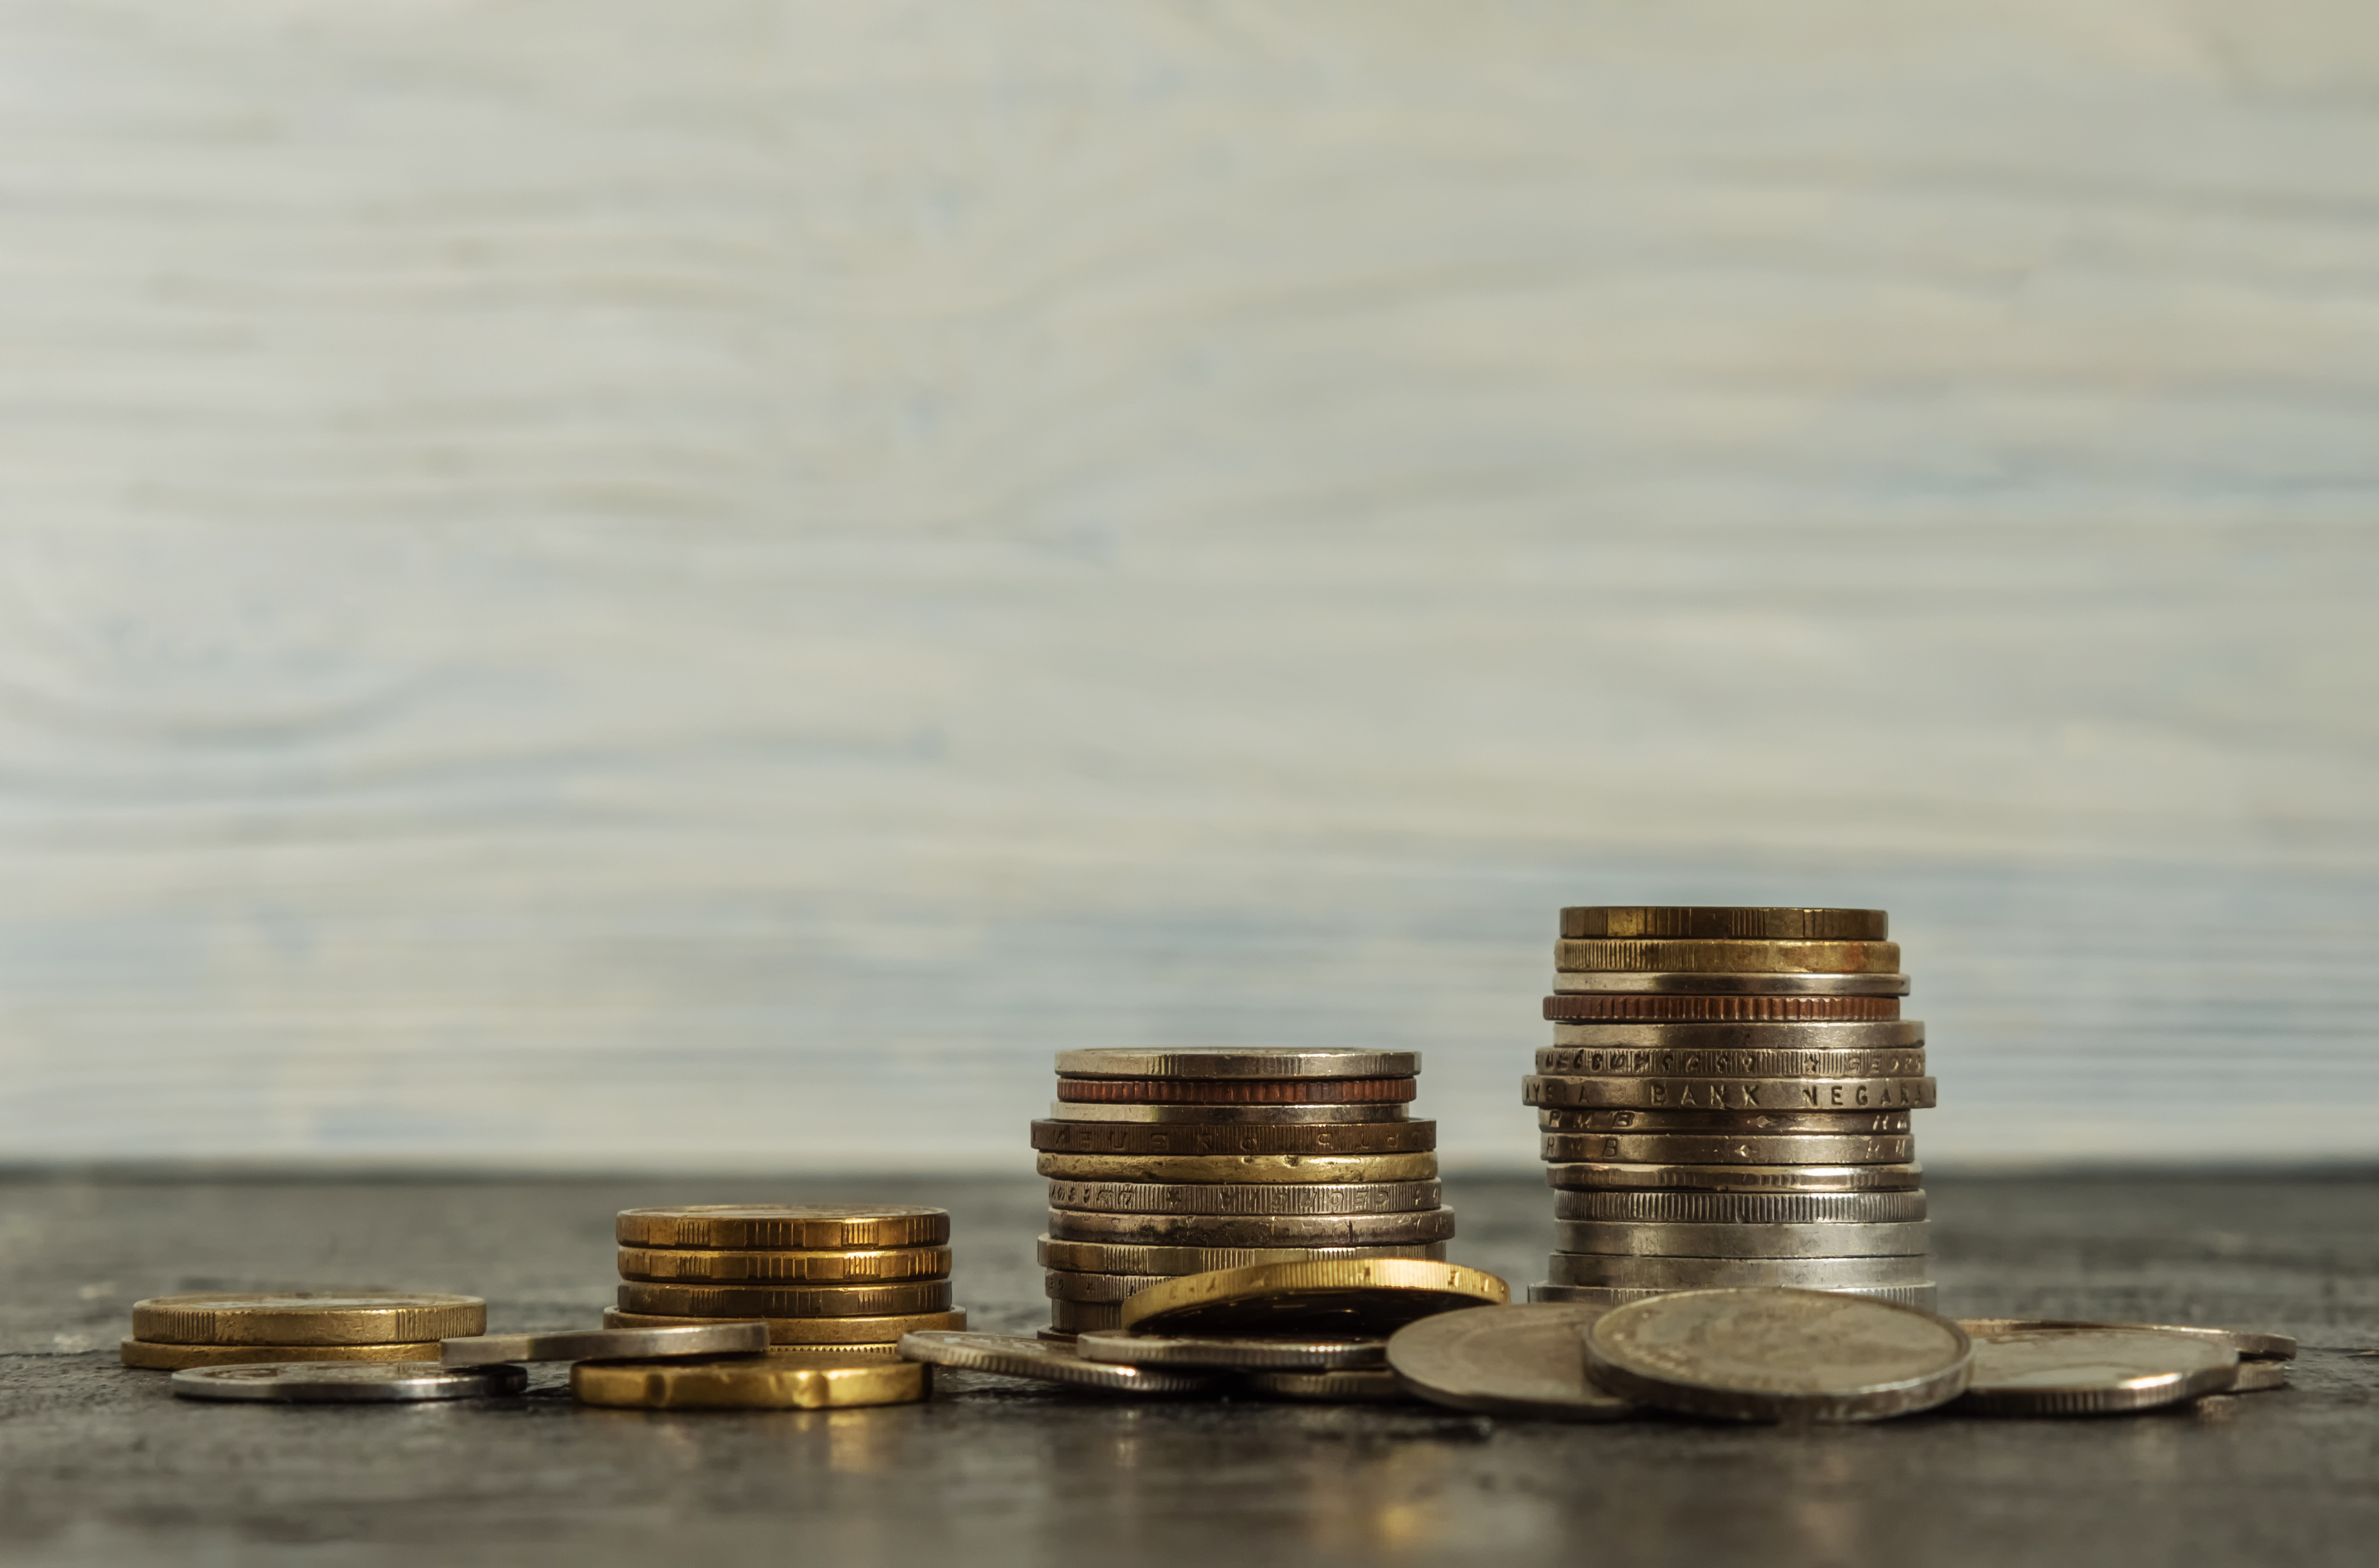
(98, 1465)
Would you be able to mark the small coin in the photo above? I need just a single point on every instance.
(606, 1344)
(1354, 1387)
(1114, 1258)
(1322, 1061)
(1695, 956)
(1778, 1356)
(1625, 1042)
(694, 1265)
(2259, 1377)
(1505, 1361)
(1068, 1284)
(173, 1357)
(1275, 1230)
(306, 1317)
(1235, 1091)
(1920, 1296)
(1045, 1361)
(1740, 1124)
(2246, 1343)
(1566, 1061)
(1361, 1298)
(806, 1227)
(1233, 1199)
(1732, 1093)
(1566, 1151)
(1275, 1169)
(1374, 1115)
(1656, 1177)
(347, 1382)
(2084, 1370)
(1623, 922)
(1906, 1238)
(1740, 1207)
(843, 1332)
(1075, 1317)
(765, 1301)
(1674, 1272)
(771, 1380)
(1636, 1007)
(1588, 982)
(1207, 1140)
(1237, 1353)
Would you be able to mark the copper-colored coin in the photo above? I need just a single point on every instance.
(694, 1265)
(873, 1334)
(1698, 957)
(1620, 1118)
(1237, 1090)
(1621, 1006)
(808, 1227)
(1739, 924)
(1233, 1137)
(762, 1301)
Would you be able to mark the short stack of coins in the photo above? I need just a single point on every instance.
(231, 1329)
(848, 1277)
(1168, 1162)
(1726, 1103)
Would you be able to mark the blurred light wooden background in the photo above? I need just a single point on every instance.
(598, 583)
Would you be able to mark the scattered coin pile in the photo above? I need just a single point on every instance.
(1726, 1104)
(1163, 1163)
(176, 1333)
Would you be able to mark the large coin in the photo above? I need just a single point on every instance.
(1839, 1124)
(1013, 1356)
(1505, 1361)
(772, 1379)
(1584, 983)
(1778, 1356)
(1235, 1091)
(806, 1227)
(1732, 1093)
(1237, 1353)
(606, 1344)
(1906, 1238)
(2040, 1370)
(173, 1357)
(1171, 1198)
(1567, 1061)
(1113, 1257)
(762, 1301)
(1231, 1116)
(1920, 1296)
(1276, 1230)
(840, 1332)
(1271, 1169)
(1742, 1207)
(1711, 1273)
(1698, 957)
(1074, 1317)
(347, 1382)
(1625, 1042)
(306, 1317)
(1068, 1284)
(1636, 1007)
(1352, 1387)
(1731, 923)
(1656, 1177)
(1362, 1298)
(1566, 1151)
(2247, 1343)
(1320, 1061)
(1105, 1138)
(699, 1265)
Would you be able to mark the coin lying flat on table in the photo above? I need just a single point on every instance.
(1740, 1207)
(1357, 1114)
(1012, 1355)
(1357, 1299)
(1660, 1176)
(1505, 1361)
(2259, 1375)
(1740, 923)
(806, 1227)
(1266, 1169)
(1118, 1258)
(1907, 1239)
(1593, 1061)
(2247, 1343)
(326, 1316)
(1731, 1094)
(1320, 1061)
(1237, 1091)
(347, 1382)
(173, 1357)
(1700, 956)
(1690, 1149)
(1921, 1296)
(1710, 1273)
(1276, 1230)
(1079, 1317)
(1231, 1199)
(774, 1380)
(838, 1332)
(765, 1301)
(1624, 1040)
(606, 1344)
(1570, 983)
(694, 1265)
(1638, 1007)
(1353, 1387)
(1219, 1352)
(1209, 1139)
(1778, 1356)
(2090, 1369)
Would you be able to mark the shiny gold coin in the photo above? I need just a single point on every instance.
(1694, 957)
(1272, 1169)
(805, 1227)
(1740, 923)
(1347, 1298)
(173, 1357)
(306, 1317)
(876, 1335)
(776, 1379)
(861, 1266)
(765, 1301)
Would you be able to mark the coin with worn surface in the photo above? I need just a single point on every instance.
(771, 1380)
(1636, 1006)
(2258, 1376)
(765, 1301)
(606, 1344)
(1740, 1124)
(1352, 1387)
(1778, 1356)
(1237, 1353)
(173, 1357)
(2087, 1369)
(1921, 1296)
(1905, 1238)
(1272, 1169)
(1657, 1177)
(1527, 1361)
(1237, 1091)
(1068, 1284)
(306, 1317)
(1588, 981)
(1319, 1061)
(1074, 1317)
(806, 1227)
(347, 1382)
(838, 1332)
(1581, 1061)
(1623, 922)
(1713, 1273)
(1576, 1148)
(1209, 1140)
(1740, 1208)
(1227, 1198)
(694, 1265)
(2246, 1343)
(1696, 956)
(1362, 1298)
(1731, 1094)
(1626, 1043)
(1372, 1115)
(1118, 1258)
(1276, 1230)
(1045, 1361)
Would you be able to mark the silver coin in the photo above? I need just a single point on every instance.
(1231, 1353)
(1357, 1387)
(1505, 1361)
(1225, 1115)
(1735, 1123)
(2259, 1375)
(347, 1382)
(1066, 1284)
(1074, 1317)
(1778, 1356)
(1739, 1208)
(1012, 1355)
(1246, 1198)
(1270, 1231)
(1580, 1061)
(1223, 1061)
(606, 1344)
(1694, 1037)
(2247, 1343)
(2092, 1369)
(1118, 1258)
(1921, 1296)
(1677, 984)
(1714, 1273)
(1621, 1176)
(1731, 1094)
(1907, 1239)
(1576, 1148)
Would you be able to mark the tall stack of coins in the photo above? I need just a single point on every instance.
(176, 1332)
(1170, 1163)
(850, 1276)
(1726, 1103)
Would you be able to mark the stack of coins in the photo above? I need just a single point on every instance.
(1726, 1104)
(1170, 1163)
(176, 1333)
(853, 1276)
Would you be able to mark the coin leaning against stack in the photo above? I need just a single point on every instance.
(1726, 1104)
(1168, 1162)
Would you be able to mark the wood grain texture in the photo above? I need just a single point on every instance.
(586, 582)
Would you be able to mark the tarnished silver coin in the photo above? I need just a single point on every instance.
(1047, 1361)
(2259, 1375)
(1225, 1061)
(1731, 1094)
(1678, 984)
(1246, 1198)
(1226, 1115)
(1239, 1354)
(1566, 1151)
(1714, 1273)
(2246, 1342)
(1121, 1258)
(1070, 1284)
(607, 1345)
(1563, 1059)
(1921, 1296)
(1626, 1176)
(1778, 1356)
(1506, 1361)
(347, 1382)
(1908, 1238)
(1373, 1387)
(1740, 1207)
(2092, 1369)
(1242, 1230)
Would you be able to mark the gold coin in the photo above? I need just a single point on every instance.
(1073, 1316)
(1694, 957)
(1638, 920)
(173, 1357)
(1351, 1299)
(863, 1266)
(878, 1336)
(765, 1301)
(776, 1379)
(806, 1227)
(1260, 1168)
(306, 1317)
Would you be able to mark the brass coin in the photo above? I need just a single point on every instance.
(1074, 1317)
(1066, 1284)
(1654, 1177)
(1732, 1093)
(1268, 1169)
(1269, 1230)
(1207, 1138)
(1625, 922)
(1778, 1356)
(1728, 957)
(173, 1357)
(1322, 1061)
(1566, 1061)
(1506, 1361)
(1237, 1091)
(1228, 1200)
(696, 1265)
(1712, 983)
(785, 1379)
(306, 1317)
(1624, 1040)
(806, 1227)
(1742, 1207)
(2092, 1369)
(767, 1301)
(1355, 1386)
(1364, 1299)
(1620, 1006)
(1920, 1296)
(1620, 1118)
(1119, 1258)
(844, 1333)
(1567, 1150)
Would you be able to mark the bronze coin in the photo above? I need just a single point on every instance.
(1237, 1090)
(1624, 1006)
